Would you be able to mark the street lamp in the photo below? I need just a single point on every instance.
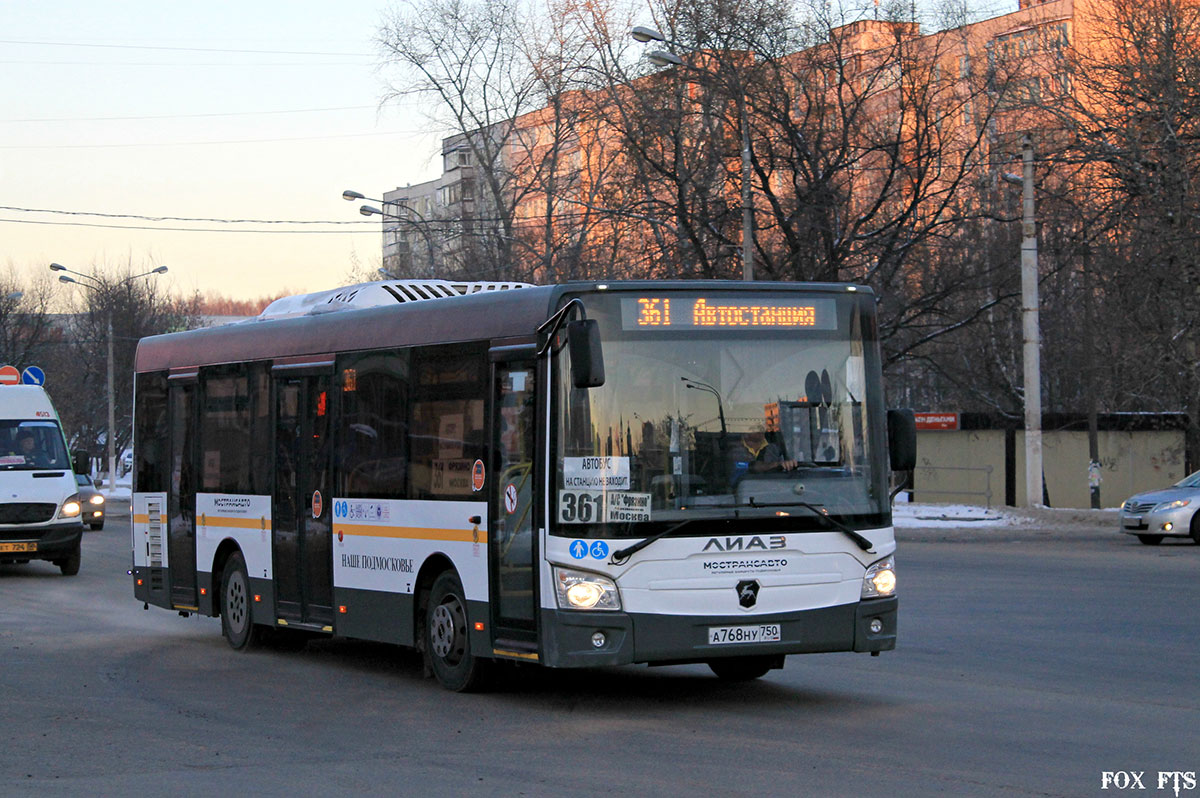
(100, 288)
(421, 222)
(662, 58)
(704, 386)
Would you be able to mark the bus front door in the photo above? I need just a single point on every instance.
(301, 530)
(512, 531)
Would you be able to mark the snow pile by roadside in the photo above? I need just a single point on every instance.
(928, 516)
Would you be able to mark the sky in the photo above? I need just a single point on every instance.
(260, 110)
(263, 110)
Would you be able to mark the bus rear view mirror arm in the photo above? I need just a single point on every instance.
(583, 342)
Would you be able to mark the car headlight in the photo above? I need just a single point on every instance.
(97, 499)
(70, 508)
(880, 579)
(1175, 505)
(581, 590)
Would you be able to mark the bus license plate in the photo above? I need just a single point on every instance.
(761, 633)
(18, 547)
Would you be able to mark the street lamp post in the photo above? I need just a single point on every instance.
(1030, 329)
(662, 58)
(421, 221)
(100, 288)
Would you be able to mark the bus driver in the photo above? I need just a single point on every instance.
(754, 454)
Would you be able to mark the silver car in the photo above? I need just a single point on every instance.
(1170, 512)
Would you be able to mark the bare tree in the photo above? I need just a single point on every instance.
(1132, 132)
(136, 308)
(25, 323)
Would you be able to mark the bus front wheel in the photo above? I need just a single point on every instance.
(236, 624)
(447, 638)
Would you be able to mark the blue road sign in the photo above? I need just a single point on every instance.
(599, 550)
(32, 375)
(579, 549)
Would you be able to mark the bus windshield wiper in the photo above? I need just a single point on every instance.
(620, 557)
(820, 511)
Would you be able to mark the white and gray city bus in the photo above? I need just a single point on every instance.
(573, 475)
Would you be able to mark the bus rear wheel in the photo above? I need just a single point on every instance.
(742, 669)
(447, 638)
(236, 623)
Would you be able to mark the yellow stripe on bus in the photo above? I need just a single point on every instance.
(237, 523)
(412, 532)
(231, 523)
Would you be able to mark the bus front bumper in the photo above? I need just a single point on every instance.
(590, 639)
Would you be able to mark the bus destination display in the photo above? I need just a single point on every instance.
(729, 312)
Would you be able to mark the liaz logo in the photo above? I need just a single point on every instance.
(742, 544)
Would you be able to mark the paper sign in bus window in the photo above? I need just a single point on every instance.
(596, 473)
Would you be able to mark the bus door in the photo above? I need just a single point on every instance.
(300, 521)
(512, 532)
(181, 508)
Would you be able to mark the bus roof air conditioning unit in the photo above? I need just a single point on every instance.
(377, 294)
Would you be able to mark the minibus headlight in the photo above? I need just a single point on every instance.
(581, 590)
(880, 579)
(70, 508)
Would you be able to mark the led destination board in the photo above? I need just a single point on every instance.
(728, 312)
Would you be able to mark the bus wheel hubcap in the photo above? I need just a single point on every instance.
(235, 600)
(446, 630)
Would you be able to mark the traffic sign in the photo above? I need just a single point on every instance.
(32, 375)
(9, 375)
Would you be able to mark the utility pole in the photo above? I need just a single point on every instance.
(1030, 332)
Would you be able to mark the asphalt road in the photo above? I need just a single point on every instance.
(1030, 662)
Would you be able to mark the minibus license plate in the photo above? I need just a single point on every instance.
(760, 633)
(18, 547)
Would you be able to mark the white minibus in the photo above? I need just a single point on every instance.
(40, 516)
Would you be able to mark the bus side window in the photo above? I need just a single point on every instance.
(446, 425)
(373, 441)
(151, 469)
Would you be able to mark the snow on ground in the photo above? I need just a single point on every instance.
(122, 491)
(950, 515)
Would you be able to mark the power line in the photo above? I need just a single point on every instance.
(181, 218)
(183, 116)
(188, 229)
(235, 64)
(181, 49)
(202, 143)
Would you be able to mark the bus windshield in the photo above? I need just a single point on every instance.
(723, 409)
(26, 445)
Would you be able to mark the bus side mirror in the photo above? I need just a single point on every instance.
(81, 461)
(587, 357)
(902, 439)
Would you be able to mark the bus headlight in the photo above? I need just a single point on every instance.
(580, 590)
(70, 508)
(880, 579)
